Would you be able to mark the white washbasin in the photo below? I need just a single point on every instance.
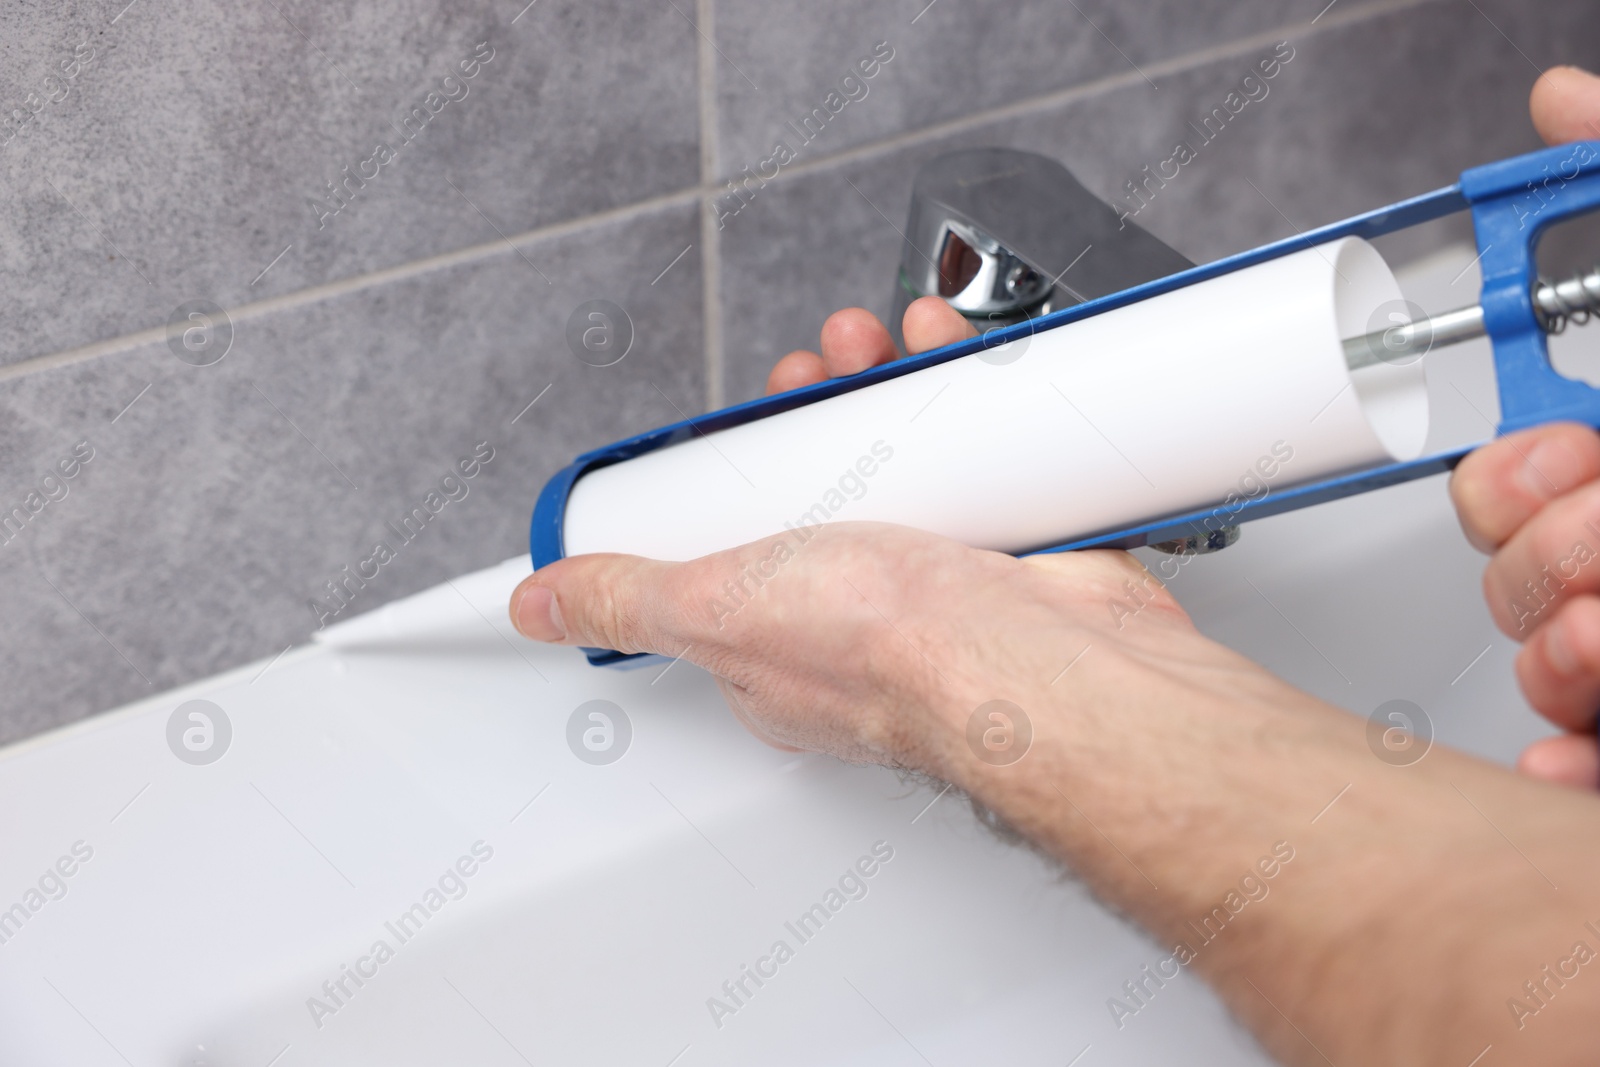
(217, 899)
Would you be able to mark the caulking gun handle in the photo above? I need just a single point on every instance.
(1513, 203)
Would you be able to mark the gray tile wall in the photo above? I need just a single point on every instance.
(156, 154)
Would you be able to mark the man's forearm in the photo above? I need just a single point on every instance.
(1391, 914)
(1351, 911)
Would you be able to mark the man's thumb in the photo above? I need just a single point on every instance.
(603, 600)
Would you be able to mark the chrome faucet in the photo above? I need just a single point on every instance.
(1004, 235)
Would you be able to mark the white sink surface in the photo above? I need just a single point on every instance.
(219, 898)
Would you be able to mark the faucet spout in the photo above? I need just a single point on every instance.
(1004, 235)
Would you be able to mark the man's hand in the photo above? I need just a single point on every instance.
(1532, 500)
(875, 642)
(869, 641)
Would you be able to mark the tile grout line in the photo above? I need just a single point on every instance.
(710, 228)
(1086, 90)
(315, 294)
(704, 195)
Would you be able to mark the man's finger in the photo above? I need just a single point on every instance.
(1565, 105)
(1552, 559)
(931, 323)
(1559, 668)
(607, 600)
(796, 369)
(853, 340)
(1568, 760)
(1503, 484)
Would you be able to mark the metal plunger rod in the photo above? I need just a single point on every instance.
(1556, 304)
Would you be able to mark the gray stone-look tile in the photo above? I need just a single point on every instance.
(779, 62)
(183, 156)
(1363, 115)
(217, 505)
(178, 163)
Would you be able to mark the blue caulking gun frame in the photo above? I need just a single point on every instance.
(1512, 202)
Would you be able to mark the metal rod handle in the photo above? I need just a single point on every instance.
(1575, 300)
